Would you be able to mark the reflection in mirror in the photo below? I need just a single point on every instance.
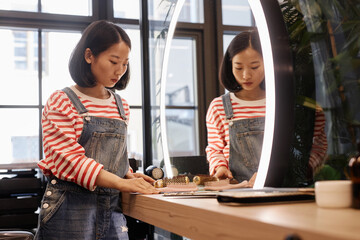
(305, 156)
(235, 12)
(306, 144)
(323, 102)
(278, 125)
(160, 38)
(324, 40)
(277, 134)
(181, 98)
(235, 120)
(269, 71)
(234, 156)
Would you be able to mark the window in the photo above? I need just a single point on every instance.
(19, 136)
(181, 98)
(68, 7)
(36, 51)
(20, 5)
(17, 67)
(21, 86)
(133, 95)
(192, 11)
(20, 50)
(226, 40)
(59, 46)
(131, 11)
(236, 12)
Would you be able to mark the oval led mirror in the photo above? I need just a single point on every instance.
(279, 91)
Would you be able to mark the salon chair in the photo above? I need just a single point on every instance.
(20, 196)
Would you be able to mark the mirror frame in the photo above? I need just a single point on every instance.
(279, 121)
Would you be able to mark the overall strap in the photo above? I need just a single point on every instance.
(227, 106)
(75, 100)
(119, 105)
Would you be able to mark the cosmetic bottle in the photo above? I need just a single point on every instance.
(354, 171)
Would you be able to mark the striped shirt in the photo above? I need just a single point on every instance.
(218, 147)
(62, 126)
(319, 146)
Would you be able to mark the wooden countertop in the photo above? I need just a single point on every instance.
(205, 218)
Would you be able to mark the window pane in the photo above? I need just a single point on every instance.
(55, 70)
(133, 93)
(192, 11)
(160, 10)
(19, 5)
(182, 131)
(19, 138)
(126, 9)
(227, 38)
(181, 75)
(17, 63)
(157, 152)
(135, 134)
(236, 12)
(181, 91)
(69, 7)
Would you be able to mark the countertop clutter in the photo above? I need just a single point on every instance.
(206, 218)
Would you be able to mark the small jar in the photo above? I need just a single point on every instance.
(354, 171)
(333, 193)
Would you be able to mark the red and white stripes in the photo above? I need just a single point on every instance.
(218, 131)
(62, 126)
(218, 127)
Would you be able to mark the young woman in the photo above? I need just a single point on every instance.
(235, 121)
(84, 136)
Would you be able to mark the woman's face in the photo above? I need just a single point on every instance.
(248, 69)
(109, 66)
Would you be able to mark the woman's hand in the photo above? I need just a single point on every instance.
(252, 180)
(131, 175)
(135, 182)
(223, 172)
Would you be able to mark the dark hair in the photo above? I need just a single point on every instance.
(240, 42)
(98, 37)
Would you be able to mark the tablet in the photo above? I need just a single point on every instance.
(266, 196)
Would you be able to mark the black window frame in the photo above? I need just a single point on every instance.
(208, 35)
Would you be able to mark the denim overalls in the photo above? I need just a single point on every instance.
(246, 140)
(69, 211)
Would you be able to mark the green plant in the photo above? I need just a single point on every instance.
(332, 29)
